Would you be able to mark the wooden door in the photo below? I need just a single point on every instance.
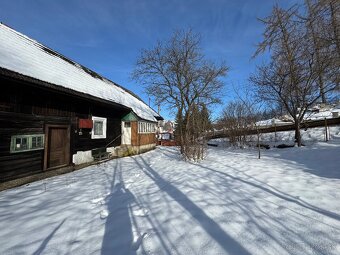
(126, 132)
(57, 152)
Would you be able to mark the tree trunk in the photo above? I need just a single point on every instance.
(258, 143)
(326, 131)
(181, 135)
(298, 133)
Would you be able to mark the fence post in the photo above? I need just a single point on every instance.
(326, 130)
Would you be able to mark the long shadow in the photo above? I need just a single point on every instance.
(285, 194)
(281, 195)
(47, 239)
(118, 236)
(209, 225)
(267, 224)
(319, 161)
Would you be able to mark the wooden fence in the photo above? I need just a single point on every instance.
(274, 128)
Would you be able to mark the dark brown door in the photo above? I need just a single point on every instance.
(58, 146)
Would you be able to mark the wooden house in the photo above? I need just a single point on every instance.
(54, 112)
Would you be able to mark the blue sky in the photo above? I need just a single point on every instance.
(107, 36)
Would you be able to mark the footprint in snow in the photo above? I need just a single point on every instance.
(97, 200)
(104, 214)
(100, 200)
(138, 241)
(141, 212)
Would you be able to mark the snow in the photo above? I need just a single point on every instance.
(322, 114)
(155, 203)
(272, 122)
(309, 137)
(23, 55)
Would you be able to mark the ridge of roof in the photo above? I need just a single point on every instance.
(70, 61)
(86, 70)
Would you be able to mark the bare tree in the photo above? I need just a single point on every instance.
(235, 121)
(322, 25)
(314, 25)
(176, 72)
(239, 118)
(291, 77)
(330, 9)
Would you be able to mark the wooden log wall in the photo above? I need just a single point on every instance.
(26, 109)
(20, 164)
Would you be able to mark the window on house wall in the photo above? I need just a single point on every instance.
(37, 142)
(20, 143)
(145, 127)
(99, 128)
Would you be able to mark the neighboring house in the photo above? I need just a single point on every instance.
(166, 133)
(54, 111)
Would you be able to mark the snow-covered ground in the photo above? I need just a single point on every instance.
(231, 203)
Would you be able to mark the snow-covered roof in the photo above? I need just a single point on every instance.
(23, 55)
(322, 114)
(272, 122)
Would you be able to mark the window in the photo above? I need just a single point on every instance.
(99, 128)
(127, 124)
(145, 127)
(20, 143)
(37, 142)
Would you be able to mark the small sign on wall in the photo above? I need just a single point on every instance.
(85, 123)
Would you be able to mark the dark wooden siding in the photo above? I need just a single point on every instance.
(27, 109)
(19, 164)
(84, 142)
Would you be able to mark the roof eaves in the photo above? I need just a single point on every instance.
(34, 81)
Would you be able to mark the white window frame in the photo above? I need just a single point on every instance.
(146, 127)
(15, 149)
(99, 119)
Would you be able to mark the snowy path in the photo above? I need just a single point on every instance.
(231, 203)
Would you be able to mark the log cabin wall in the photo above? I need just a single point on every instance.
(140, 139)
(27, 109)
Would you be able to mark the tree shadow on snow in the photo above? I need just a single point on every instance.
(230, 245)
(47, 239)
(320, 161)
(273, 191)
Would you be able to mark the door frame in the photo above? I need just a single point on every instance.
(47, 143)
(124, 137)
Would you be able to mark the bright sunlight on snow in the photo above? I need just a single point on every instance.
(155, 203)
